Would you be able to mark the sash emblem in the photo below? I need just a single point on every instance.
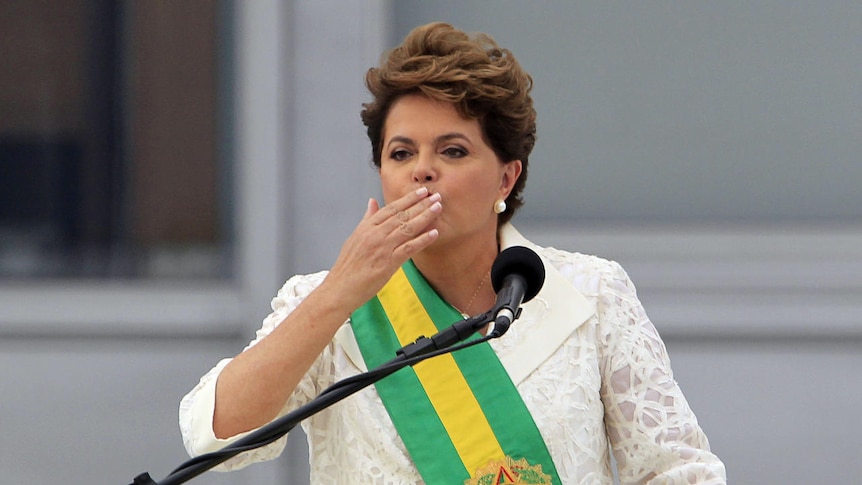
(508, 471)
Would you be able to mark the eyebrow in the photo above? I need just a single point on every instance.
(442, 138)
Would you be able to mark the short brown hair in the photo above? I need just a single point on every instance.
(484, 81)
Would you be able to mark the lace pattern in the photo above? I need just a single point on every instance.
(609, 386)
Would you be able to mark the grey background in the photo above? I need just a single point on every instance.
(683, 111)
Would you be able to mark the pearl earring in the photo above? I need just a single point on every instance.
(500, 206)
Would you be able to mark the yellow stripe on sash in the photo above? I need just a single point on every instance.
(443, 381)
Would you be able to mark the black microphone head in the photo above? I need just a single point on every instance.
(522, 261)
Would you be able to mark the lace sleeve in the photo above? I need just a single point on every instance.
(654, 435)
(197, 407)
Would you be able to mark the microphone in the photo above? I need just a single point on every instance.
(517, 276)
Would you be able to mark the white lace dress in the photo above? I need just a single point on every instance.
(605, 381)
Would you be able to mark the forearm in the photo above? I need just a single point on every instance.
(255, 386)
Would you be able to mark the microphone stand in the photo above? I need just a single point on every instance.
(423, 348)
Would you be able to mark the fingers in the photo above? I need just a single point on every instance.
(400, 206)
(371, 209)
(414, 220)
(412, 246)
(384, 239)
(404, 226)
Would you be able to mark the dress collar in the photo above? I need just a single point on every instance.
(559, 309)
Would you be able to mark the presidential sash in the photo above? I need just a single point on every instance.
(459, 415)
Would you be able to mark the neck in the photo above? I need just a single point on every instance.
(460, 275)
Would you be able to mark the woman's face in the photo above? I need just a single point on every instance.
(427, 143)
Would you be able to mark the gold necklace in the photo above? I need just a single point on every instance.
(470, 303)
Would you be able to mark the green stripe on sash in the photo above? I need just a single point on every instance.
(496, 404)
(437, 457)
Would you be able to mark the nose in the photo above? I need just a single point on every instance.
(424, 170)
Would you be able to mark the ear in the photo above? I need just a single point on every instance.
(511, 172)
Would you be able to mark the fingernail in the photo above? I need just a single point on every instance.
(433, 233)
(435, 197)
(422, 191)
(436, 206)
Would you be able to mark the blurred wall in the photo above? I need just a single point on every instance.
(683, 112)
(711, 149)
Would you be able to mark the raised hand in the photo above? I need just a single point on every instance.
(383, 240)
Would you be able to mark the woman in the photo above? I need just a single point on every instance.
(451, 126)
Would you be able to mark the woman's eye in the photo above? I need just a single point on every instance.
(455, 152)
(399, 155)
